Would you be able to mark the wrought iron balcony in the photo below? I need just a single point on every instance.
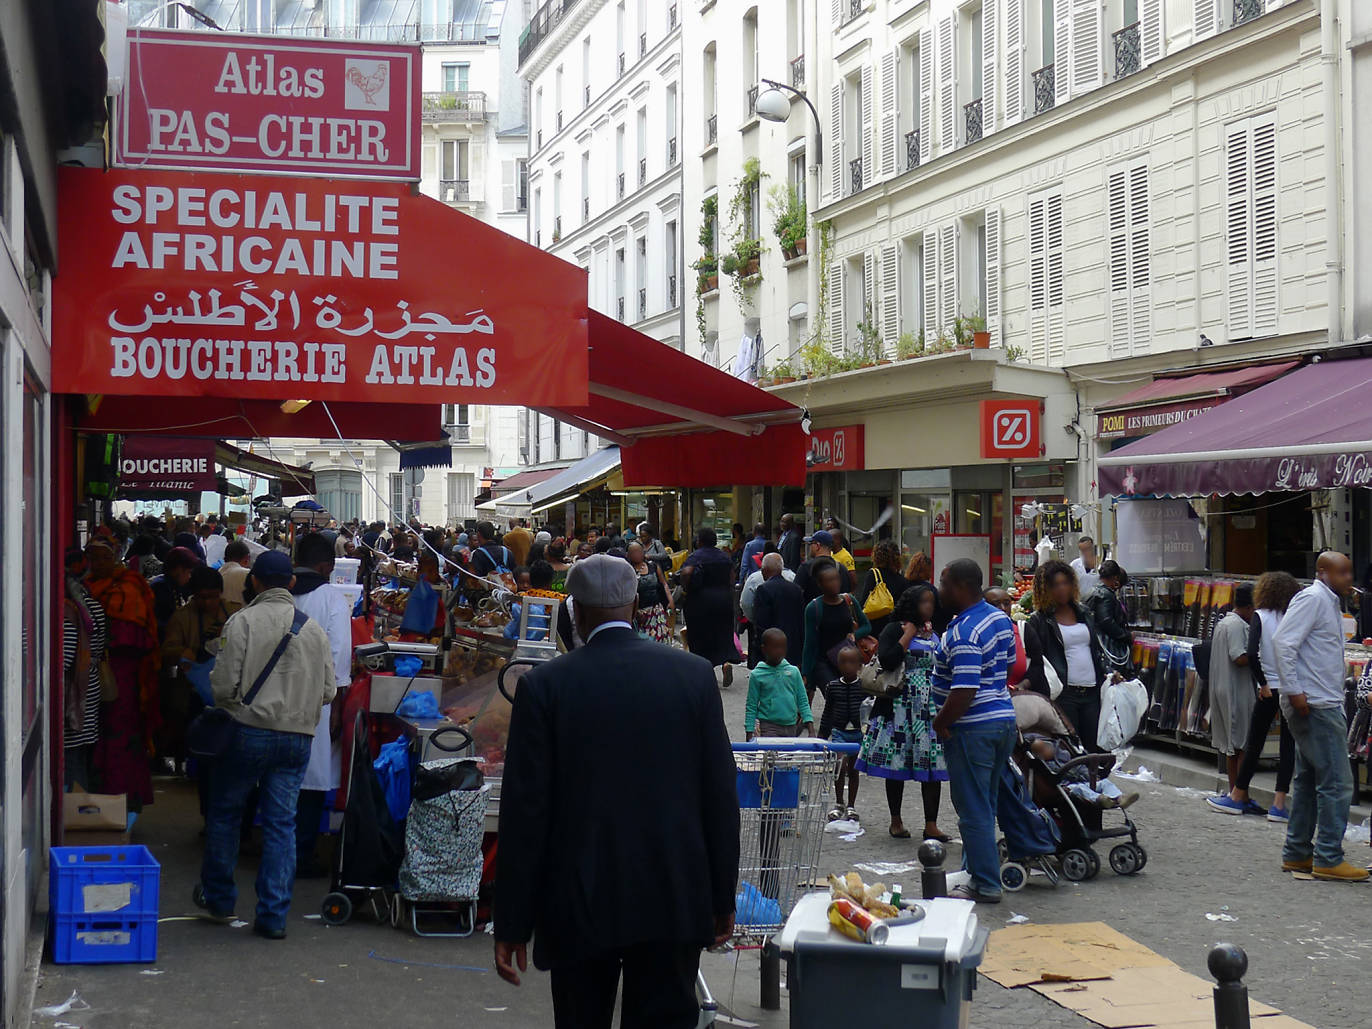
(1045, 89)
(855, 8)
(642, 170)
(855, 175)
(454, 191)
(671, 152)
(586, 96)
(642, 44)
(558, 121)
(622, 62)
(456, 106)
(642, 303)
(619, 309)
(912, 149)
(752, 101)
(798, 72)
(1246, 10)
(711, 130)
(971, 115)
(1127, 55)
(585, 209)
(619, 184)
(541, 25)
(671, 17)
(671, 291)
(460, 433)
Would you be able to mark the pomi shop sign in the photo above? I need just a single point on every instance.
(836, 450)
(206, 284)
(249, 103)
(1011, 428)
(167, 464)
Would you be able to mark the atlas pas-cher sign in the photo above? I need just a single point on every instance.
(250, 103)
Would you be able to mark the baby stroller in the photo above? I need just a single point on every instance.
(1081, 824)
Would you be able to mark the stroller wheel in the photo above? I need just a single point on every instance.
(1013, 876)
(1076, 866)
(1142, 856)
(1123, 859)
(1094, 858)
(336, 909)
(1003, 850)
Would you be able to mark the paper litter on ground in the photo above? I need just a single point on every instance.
(1144, 774)
(237, 923)
(851, 837)
(1015, 919)
(72, 1003)
(152, 971)
(1358, 833)
(1221, 917)
(888, 869)
(844, 826)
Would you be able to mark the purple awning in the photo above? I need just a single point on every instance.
(1311, 429)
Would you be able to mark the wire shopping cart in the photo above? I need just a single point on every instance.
(783, 792)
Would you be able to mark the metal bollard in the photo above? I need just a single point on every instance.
(770, 987)
(1228, 964)
(933, 880)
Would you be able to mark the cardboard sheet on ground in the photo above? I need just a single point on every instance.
(1024, 954)
(1157, 996)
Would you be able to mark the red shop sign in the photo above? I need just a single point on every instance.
(249, 287)
(252, 103)
(836, 450)
(167, 464)
(1011, 428)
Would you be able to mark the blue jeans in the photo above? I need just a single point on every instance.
(275, 762)
(1322, 788)
(975, 755)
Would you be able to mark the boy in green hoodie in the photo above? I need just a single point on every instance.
(777, 705)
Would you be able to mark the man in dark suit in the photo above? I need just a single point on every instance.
(790, 544)
(618, 818)
(779, 604)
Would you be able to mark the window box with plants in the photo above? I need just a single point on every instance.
(744, 261)
(707, 273)
(789, 220)
(707, 265)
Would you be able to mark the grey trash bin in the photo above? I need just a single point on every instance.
(923, 975)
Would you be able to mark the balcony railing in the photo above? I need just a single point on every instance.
(557, 228)
(465, 106)
(671, 291)
(671, 17)
(642, 44)
(619, 185)
(971, 116)
(619, 309)
(558, 120)
(1246, 10)
(855, 8)
(538, 140)
(855, 175)
(538, 237)
(541, 25)
(642, 170)
(454, 191)
(752, 101)
(1127, 55)
(585, 209)
(912, 149)
(460, 433)
(642, 303)
(1045, 86)
(522, 202)
(798, 71)
(671, 152)
(712, 130)
(623, 62)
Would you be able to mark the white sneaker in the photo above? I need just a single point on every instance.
(853, 815)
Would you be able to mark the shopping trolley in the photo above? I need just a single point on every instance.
(783, 793)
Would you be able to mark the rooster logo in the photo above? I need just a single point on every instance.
(366, 91)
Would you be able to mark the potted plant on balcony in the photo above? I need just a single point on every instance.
(707, 265)
(707, 273)
(869, 350)
(789, 220)
(908, 345)
(981, 338)
(784, 373)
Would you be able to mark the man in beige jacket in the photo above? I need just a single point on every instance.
(274, 674)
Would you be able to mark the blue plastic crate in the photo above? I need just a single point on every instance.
(108, 883)
(82, 940)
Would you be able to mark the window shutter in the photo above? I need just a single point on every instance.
(1140, 262)
(836, 12)
(836, 308)
(1038, 282)
(1057, 335)
(507, 186)
(836, 141)
(992, 266)
(869, 288)
(1117, 227)
(926, 95)
(890, 114)
(947, 85)
(868, 140)
(890, 297)
(1272, 5)
(1152, 36)
(948, 275)
(1207, 18)
(1014, 61)
(989, 77)
(929, 272)
(1238, 245)
(1062, 51)
(1088, 46)
(1264, 162)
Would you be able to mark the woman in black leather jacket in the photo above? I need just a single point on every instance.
(1060, 634)
(1107, 612)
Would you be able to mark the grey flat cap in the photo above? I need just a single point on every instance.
(603, 581)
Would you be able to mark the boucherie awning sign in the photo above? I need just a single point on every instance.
(249, 103)
(217, 285)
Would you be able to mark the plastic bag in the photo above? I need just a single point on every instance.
(1122, 707)
(421, 610)
(394, 771)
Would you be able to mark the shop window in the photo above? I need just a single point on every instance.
(1039, 476)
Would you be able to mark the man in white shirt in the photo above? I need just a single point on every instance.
(1086, 566)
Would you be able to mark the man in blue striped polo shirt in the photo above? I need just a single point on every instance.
(976, 720)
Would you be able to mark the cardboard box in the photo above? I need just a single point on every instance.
(94, 812)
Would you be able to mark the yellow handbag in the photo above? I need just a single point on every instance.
(878, 603)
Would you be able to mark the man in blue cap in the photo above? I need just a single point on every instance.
(274, 674)
(821, 544)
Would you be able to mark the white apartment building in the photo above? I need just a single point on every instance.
(604, 83)
(1117, 187)
(742, 173)
(474, 158)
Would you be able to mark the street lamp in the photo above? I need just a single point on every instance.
(774, 105)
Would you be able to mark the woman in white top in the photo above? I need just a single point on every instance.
(1271, 597)
(1060, 638)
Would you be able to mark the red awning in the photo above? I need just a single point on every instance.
(256, 419)
(645, 396)
(1166, 401)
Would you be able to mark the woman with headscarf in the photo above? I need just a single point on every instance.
(133, 714)
(707, 577)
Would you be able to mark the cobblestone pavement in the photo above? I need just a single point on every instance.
(1306, 941)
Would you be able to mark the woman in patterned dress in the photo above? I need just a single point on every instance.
(900, 745)
(654, 598)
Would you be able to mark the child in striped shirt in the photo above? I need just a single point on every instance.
(842, 723)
